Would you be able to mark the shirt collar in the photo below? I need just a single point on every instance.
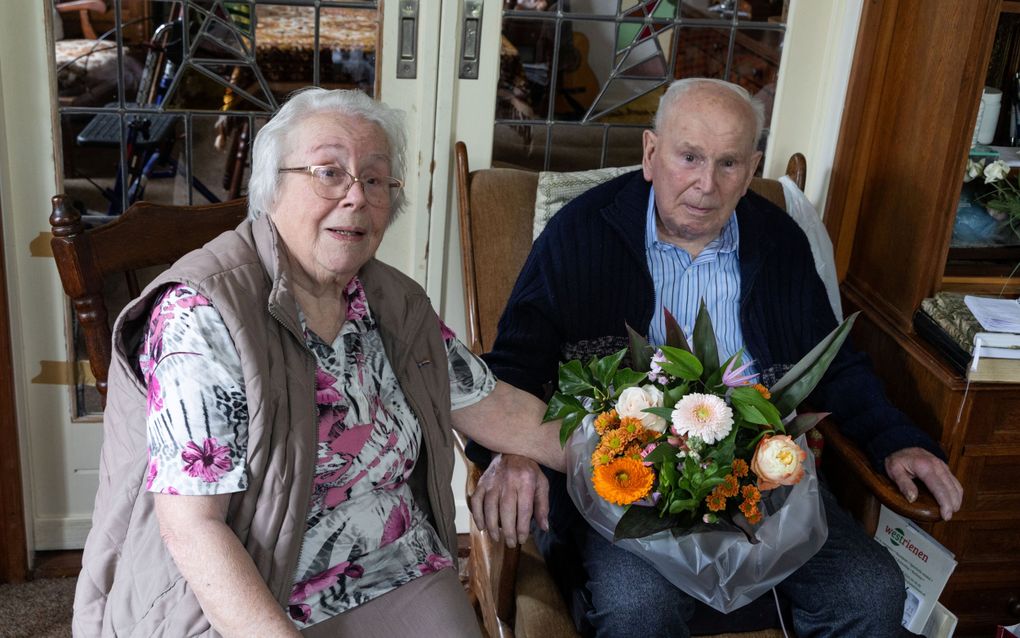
(728, 240)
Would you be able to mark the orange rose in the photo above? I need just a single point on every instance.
(778, 460)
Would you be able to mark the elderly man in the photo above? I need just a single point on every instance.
(686, 228)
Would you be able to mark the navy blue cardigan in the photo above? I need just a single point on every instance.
(587, 278)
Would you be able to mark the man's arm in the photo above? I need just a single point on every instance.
(854, 394)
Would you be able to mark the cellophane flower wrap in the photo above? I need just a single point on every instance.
(688, 463)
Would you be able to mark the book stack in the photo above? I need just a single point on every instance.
(987, 353)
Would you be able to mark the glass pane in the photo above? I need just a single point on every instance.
(164, 112)
(610, 64)
(624, 146)
(701, 52)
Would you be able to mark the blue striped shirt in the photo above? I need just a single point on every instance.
(681, 283)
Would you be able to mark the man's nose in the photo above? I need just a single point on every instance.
(707, 178)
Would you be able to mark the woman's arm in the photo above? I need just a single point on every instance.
(509, 420)
(230, 590)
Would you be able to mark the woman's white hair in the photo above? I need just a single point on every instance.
(271, 142)
(677, 89)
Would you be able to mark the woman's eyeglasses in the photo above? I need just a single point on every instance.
(333, 182)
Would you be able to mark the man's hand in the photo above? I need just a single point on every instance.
(507, 495)
(903, 466)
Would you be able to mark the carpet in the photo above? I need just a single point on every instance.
(37, 609)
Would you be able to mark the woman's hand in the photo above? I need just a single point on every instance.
(230, 590)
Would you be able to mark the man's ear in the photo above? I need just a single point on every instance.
(648, 148)
(753, 166)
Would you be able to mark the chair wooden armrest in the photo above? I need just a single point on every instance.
(843, 458)
(83, 7)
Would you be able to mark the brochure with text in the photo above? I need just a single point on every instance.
(925, 563)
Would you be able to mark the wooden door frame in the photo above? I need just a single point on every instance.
(13, 540)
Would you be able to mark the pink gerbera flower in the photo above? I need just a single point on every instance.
(705, 416)
(209, 462)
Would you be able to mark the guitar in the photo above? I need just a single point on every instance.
(577, 85)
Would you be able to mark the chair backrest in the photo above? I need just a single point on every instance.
(497, 209)
(145, 235)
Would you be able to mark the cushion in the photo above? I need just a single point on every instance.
(556, 189)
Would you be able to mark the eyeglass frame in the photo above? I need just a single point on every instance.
(310, 170)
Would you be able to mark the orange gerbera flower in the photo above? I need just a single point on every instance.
(716, 501)
(750, 512)
(762, 390)
(750, 493)
(729, 487)
(623, 481)
(606, 421)
(739, 468)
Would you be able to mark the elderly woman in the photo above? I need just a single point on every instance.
(277, 454)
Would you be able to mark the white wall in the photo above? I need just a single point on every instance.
(818, 52)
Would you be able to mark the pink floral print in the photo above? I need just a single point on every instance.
(208, 462)
(357, 303)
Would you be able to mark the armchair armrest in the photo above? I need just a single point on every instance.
(850, 462)
(83, 7)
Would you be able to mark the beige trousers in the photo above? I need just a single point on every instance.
(433, 605)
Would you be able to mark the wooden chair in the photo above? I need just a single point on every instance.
(145, 235)
(513, 589)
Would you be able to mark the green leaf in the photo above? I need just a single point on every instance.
(705, 346)
(640, 352)
(638, 522)
(804, 422)
(560, 405)
(570, 423)
(796, 384)
(681, 364)
(687, 504)
(605, 368)
(663, 453)
(753, 407)
(626, 378)
(575, 379)
(666, 413)
(674, 335)
(674, 394)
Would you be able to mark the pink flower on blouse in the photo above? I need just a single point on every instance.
(171, 491)
(154, 397)
(300, 613)
(209, 462)
(193, 301)
(433, 563)
(322, 580)
(325, 393)
(152, 473)
(448, 335)
(357, 303)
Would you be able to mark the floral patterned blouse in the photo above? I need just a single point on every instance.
(365, 535)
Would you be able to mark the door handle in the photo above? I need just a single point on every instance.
(471, 39)
(407, 40)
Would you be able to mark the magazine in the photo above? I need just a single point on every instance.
(925, 563)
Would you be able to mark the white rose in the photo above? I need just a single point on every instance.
(634, 400)
(996, 171)
(973, 170)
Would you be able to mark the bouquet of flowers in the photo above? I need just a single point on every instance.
(1001, 196)
(690, 464)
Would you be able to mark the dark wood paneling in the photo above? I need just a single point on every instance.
(899, 170)
(13, 542)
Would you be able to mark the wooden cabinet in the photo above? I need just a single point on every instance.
(913, 97)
